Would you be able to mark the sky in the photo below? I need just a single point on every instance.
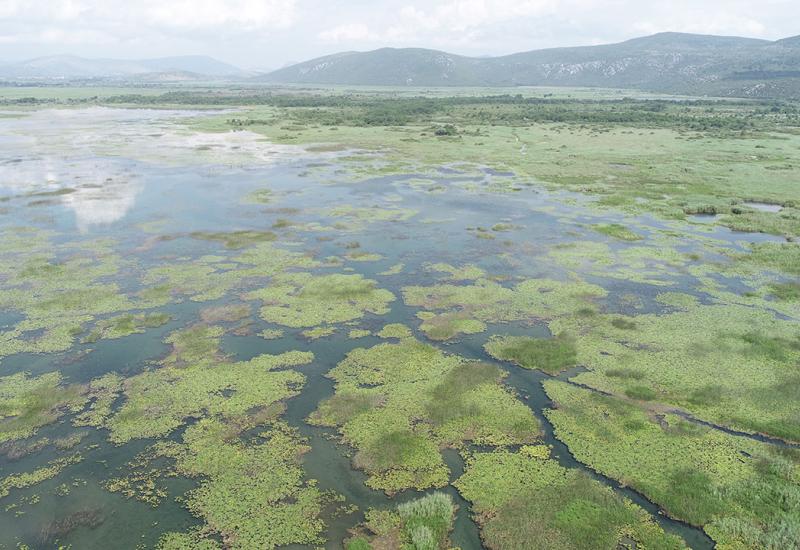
(267, 34)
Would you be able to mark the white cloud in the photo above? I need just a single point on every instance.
(244, 14)
(352, 32)
(266, 33)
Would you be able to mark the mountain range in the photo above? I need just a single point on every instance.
(667, 62)
(70, 67)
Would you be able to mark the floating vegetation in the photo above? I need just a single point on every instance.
(358, 333)
(236, 239)
(196, 381)
(253, 496)
(788, 292)
(260, 196)
(27, 479)
(525, 499)
(395, 330)
(551, 355)
(617, 231)
(271, 333)
(228, 313)
(421, 524)
(783, 257)
(467, 272)
(363, 256)
(125, 325)
(373, 214)
(751, 350)
(318, 332)
(28, 403)
(742, 492)
(90, 518)
(396, 269)
(397, 434)
(491, 302)
(304, 300)
(448, 325)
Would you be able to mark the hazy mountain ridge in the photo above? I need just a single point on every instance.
(73, 67)
(666, 62)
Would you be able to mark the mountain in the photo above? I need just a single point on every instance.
(665, 62)
(69, 67)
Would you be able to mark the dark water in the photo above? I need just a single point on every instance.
(206, 195)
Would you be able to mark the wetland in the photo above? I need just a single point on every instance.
(372, 319)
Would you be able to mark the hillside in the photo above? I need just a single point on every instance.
(666, 62)
(71, 67)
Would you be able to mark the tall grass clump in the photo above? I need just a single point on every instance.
(427, 520)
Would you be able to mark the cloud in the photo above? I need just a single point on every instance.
(241, 14)
(352, 32)
(268, 33)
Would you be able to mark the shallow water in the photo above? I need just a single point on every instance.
(133, 176)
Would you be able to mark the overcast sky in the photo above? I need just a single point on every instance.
(272, 33)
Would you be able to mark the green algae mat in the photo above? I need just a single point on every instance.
(312, 320)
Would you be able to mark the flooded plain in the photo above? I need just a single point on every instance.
(125, 230)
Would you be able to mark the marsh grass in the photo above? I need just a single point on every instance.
(341, 407)
(617, 231)
(626, 373)
(447, 398)
(551, 355)
(26, 404)
(623, 324)
(641, 393)
(236, 239)
(787, 292)
(772, 347)
(428, 520)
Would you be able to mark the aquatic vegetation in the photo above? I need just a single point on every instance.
(551, 355)
(525, 499)
(28, 479)
(89, 518)
(253, 496)
(617, 231)
(271, 333)
(193, 540)
(448, 325)
(394, 330)
(56, 298)
(196, 381)
(394, 270)
(28, 403)
(467, 272)
(125, 325)
(421, 524)
(788, 292)
(363, 256)
(783, 257)
(304, 300)
(260, 196)
(489, 302)
(752, 352)
(371, 214)
(228, 313)
(721, 346)
(102, 392)
(236, 239)
(741, 491)
(318, 332)
(397, 403)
